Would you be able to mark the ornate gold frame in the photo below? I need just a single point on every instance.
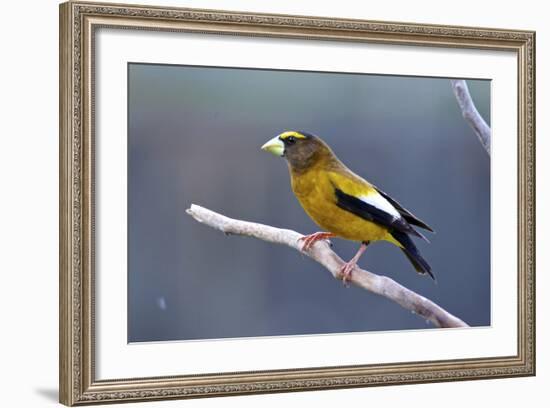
(78, 22)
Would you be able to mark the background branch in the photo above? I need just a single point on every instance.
(470, 113)
(322, 253)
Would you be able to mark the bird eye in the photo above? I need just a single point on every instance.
(291, 140)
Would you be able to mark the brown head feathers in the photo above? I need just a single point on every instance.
(304, 150)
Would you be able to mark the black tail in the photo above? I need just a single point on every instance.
(412, 254)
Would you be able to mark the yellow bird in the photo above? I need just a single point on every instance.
(344, 204)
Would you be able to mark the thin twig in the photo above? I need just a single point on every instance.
(322, 253)
(470, 113)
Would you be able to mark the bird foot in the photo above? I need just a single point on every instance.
(311, 239)
(349, 266)
(346, 271)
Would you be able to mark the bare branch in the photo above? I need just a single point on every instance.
(322, 253)
(470, 113)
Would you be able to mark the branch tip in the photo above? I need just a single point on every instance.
(471, 114)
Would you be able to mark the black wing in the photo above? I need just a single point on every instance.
(410, 217)
(371, 213)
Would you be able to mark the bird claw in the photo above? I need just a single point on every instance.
(346, 271)
(310, 240)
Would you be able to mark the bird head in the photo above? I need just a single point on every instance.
(300, 149)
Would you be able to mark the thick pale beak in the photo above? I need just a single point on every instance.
(275, 146)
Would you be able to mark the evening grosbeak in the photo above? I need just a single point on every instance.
(343, 204)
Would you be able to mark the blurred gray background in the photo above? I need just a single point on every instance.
(194, 137)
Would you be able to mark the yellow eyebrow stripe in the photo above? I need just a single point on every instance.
(297, 135)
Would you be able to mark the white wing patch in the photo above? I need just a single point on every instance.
(381, 203)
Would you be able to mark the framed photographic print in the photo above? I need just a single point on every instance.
(262, 203)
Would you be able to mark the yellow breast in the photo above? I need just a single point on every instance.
(315, 193)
